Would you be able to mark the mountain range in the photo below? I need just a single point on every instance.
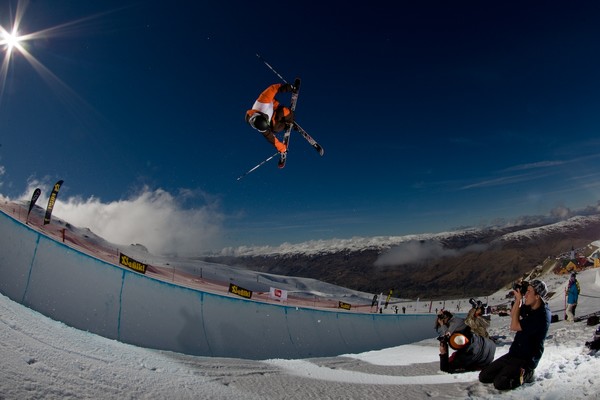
(466, 263)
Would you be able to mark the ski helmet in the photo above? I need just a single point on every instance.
(259, 122)
(458, 341)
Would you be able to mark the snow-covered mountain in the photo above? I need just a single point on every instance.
(469, 262)
(313, 247)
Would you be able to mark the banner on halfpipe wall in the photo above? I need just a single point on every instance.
(240, 291)
(135, 265)
(278, 294)
(51, 201)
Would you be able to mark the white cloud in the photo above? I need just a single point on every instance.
(417, 251)
(504, 180)
(539, 164)
(2, 172)
(153, 218)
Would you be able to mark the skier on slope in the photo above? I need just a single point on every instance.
(269, 117)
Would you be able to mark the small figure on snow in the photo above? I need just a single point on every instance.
(268, 116)
(573, 291)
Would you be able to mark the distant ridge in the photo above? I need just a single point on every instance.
(472, 262)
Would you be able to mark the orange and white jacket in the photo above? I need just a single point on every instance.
(266, 102)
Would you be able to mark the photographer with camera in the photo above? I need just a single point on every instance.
(472, 351)
(531, 321)
(475, 319)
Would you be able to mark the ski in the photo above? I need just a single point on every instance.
(309, 139)
(288, 129)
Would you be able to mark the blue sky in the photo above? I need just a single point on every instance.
(433, 115)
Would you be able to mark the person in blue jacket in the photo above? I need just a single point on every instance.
(572, 297)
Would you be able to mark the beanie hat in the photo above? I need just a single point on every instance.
(540, 288)
(458, 341)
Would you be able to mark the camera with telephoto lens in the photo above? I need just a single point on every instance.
(521, 287)
(478, 304)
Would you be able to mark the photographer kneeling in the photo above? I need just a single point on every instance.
(530, 318)
(473, 351)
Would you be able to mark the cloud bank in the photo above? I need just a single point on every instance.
(419, 251)
(154, 218)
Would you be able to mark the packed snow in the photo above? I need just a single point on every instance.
(42, 358)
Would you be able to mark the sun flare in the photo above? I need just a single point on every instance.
(13, 44)
(10, 40)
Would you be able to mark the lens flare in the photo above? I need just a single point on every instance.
(10, 40)
(12, 44)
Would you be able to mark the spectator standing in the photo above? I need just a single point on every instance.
(572, 293)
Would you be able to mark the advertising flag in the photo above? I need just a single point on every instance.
(34, 198)
(51, 201)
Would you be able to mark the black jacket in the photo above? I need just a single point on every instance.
(528, 344)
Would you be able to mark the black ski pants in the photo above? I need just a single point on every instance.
(506, 373)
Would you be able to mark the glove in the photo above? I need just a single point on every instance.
(280, 146)
(286, 87)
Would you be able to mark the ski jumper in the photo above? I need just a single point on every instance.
(278, 115)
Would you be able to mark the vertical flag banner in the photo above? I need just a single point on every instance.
(51, 201)
(34, 198)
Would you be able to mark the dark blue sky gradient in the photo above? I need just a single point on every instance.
(433, 114)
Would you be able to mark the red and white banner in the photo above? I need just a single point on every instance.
(278, 294)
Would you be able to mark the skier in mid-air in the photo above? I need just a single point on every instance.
(268, 116)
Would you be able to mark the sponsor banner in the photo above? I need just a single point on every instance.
(278, 294)
(34, 198)
(240, 291)
(129, 262)
(345, 306)
(51, 201)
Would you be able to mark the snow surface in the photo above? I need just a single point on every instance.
(42, 358)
